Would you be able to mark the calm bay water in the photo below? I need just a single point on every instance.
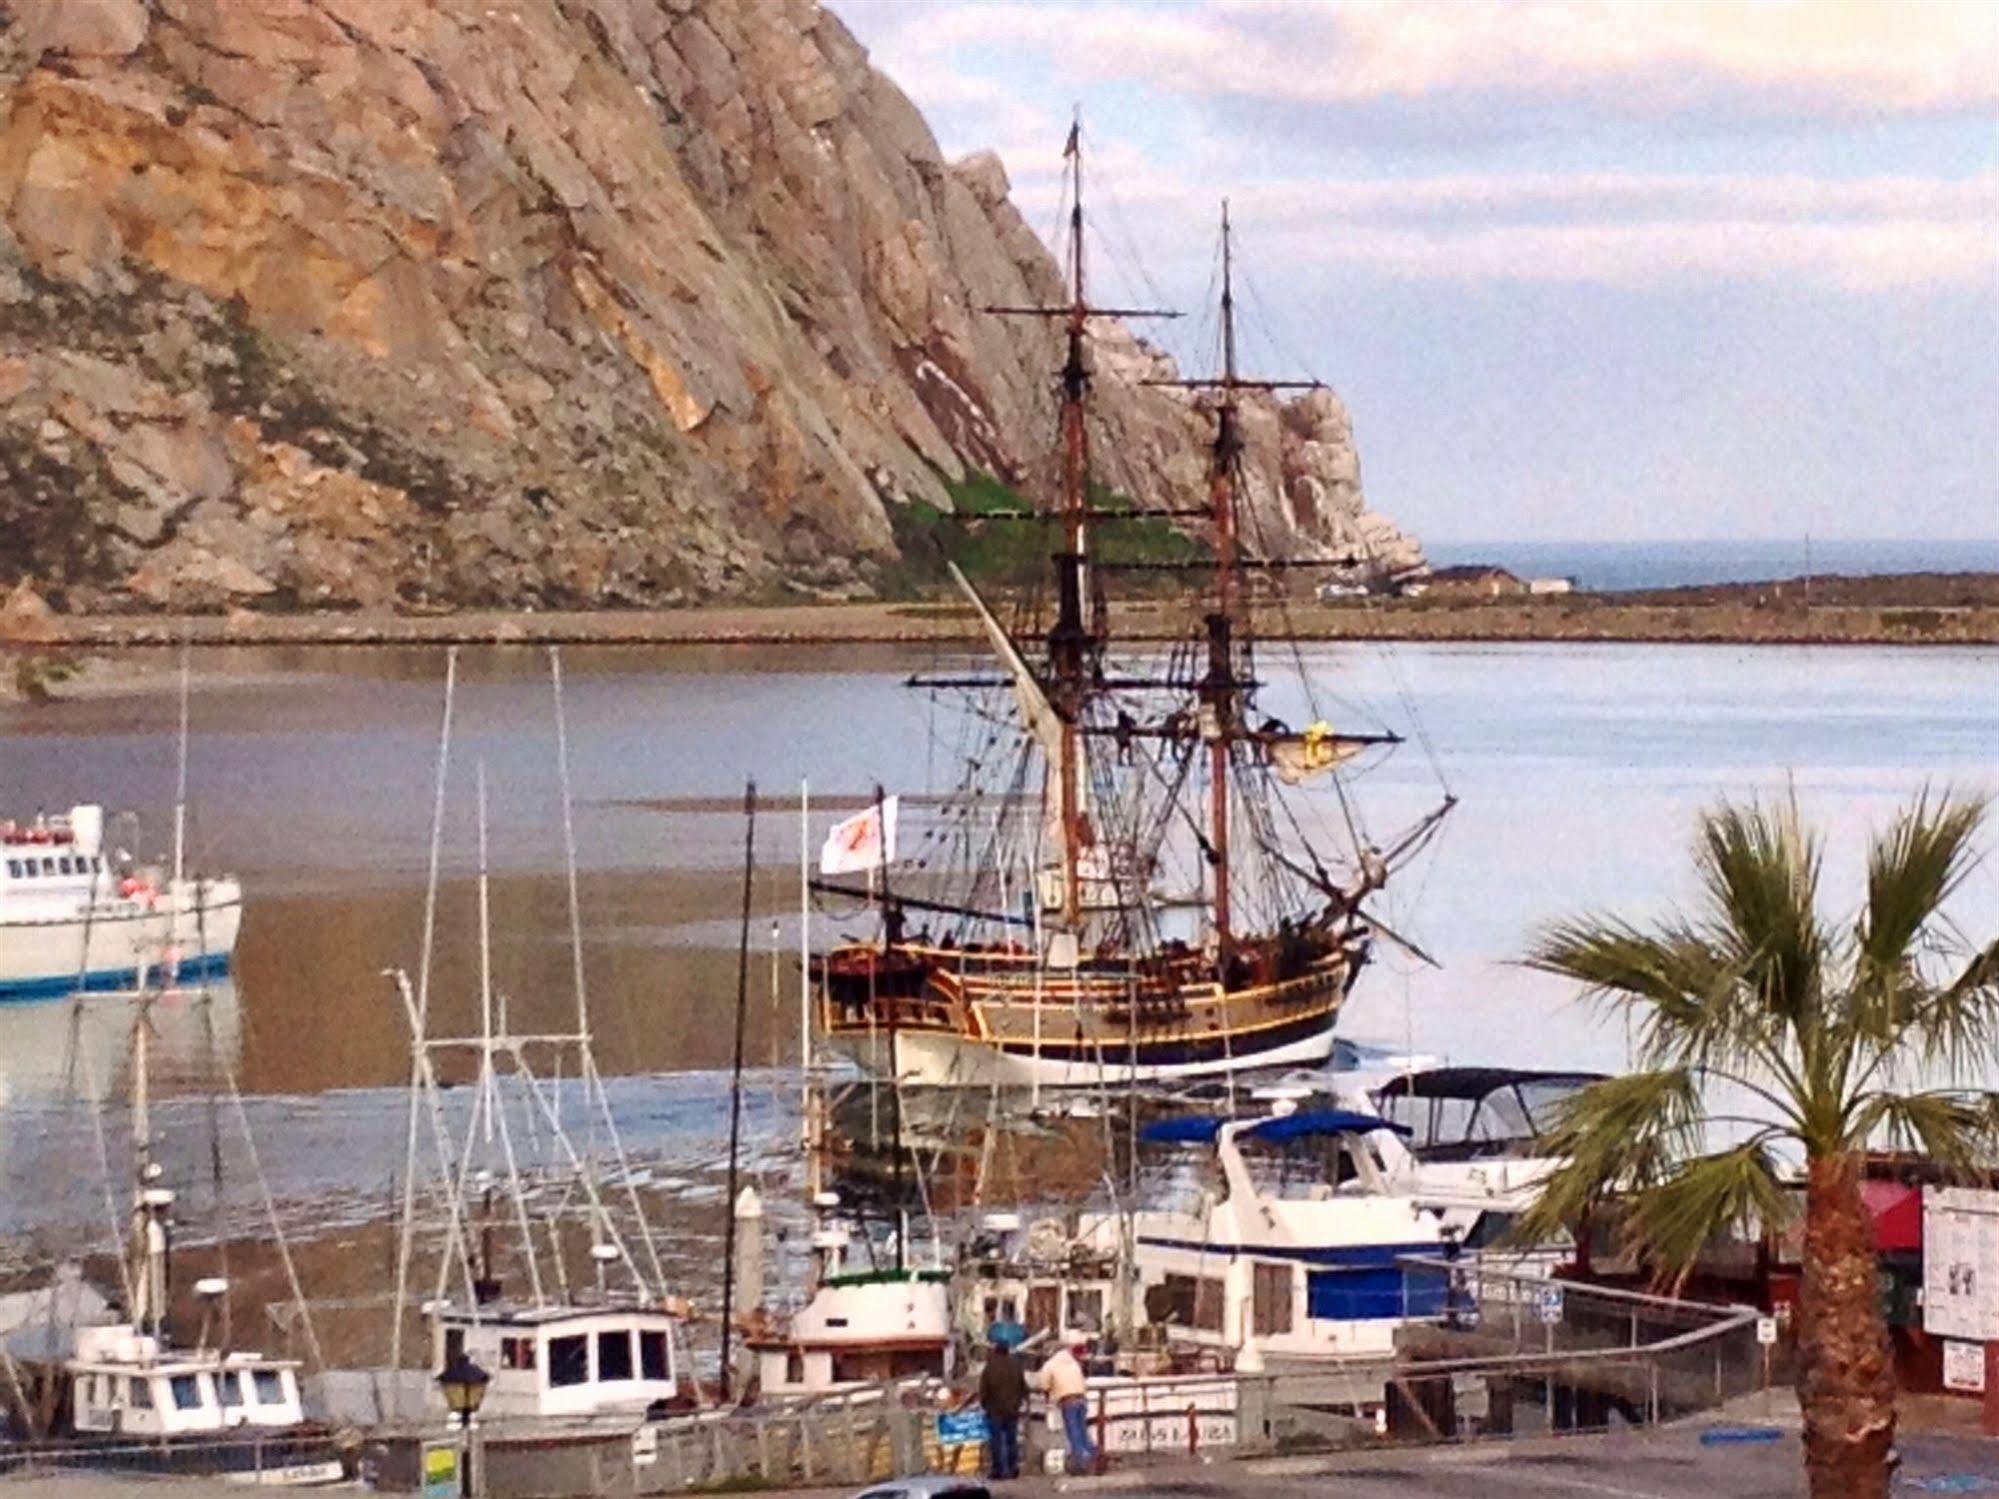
(1611, 566)
(1580, 772)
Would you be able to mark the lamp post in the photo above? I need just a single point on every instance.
(464, 1385)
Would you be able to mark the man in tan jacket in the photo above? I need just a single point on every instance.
(1062, 1380)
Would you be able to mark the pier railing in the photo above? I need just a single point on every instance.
(1499, 1351)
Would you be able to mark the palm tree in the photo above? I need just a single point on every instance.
(1765, 1031)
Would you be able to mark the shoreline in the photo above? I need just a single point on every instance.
(1909, 610)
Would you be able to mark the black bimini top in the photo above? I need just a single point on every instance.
(1476, 1082)
(1462, 1113)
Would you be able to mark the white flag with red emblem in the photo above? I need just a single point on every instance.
(863, 841)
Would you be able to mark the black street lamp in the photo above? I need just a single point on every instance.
(464, 1385)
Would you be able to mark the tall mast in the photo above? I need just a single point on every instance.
(1219, 690)
(1070, 642)
(1076, 640)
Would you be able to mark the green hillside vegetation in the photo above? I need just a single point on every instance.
(1012, 553)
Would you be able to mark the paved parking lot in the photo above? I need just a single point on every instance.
(1669, 1465)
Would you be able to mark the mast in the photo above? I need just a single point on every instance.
(736, 1084)
(1219, 690)
(1076, 640)
(1070, 642)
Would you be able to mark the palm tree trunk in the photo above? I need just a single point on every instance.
(1846, 1380)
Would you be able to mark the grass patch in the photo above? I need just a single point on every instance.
(1015, 553)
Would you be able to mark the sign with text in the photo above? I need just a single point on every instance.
(1549, 1303)
(1766, 1330)
(961, 1428)
(1961, 1263)
(1964, 1366)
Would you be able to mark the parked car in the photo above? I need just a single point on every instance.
(930, 1486)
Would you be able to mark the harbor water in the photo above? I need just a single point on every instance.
(1579, 773)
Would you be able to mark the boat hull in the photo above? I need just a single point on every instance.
(47, 956)
(276, 1459)
(941, 1059)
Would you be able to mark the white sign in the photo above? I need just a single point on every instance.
(1551, 1304)
(1964, 1366)
(1961, 1263)
(645, 1446)
(1766, 1330)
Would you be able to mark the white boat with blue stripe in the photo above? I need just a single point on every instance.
(75, 914)
(1295, 1243)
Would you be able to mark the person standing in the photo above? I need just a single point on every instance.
(1061, 1379)
(1002, 1393)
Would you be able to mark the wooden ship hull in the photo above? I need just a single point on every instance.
(945, 1017)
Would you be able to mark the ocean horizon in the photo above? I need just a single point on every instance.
(1621, 566)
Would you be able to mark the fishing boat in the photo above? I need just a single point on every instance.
(93, 1384)
(1124, 886)
(75, 914)
(548, 1274)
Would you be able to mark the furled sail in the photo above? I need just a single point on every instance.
(1095, 871)
(1302, 757)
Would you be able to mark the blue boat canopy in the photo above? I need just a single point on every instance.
(1201, 1129)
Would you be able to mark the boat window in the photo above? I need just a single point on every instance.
(1186, 1301)
(186, 1392)
(14, 868)
(454, 1345)
(142, 1394)
(652, 1355)
(48, 866)
(64, 865)
(517, 1353)
(1271, 1299)
(614, 1354)
(230, 1388)
(1086, 1311)
(270, 1387)
(569, 1360)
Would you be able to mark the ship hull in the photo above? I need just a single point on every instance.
(941, 1060)
(49, 955)
(993, 1018)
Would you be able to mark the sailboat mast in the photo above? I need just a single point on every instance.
(1068, 643)
(1219, 688)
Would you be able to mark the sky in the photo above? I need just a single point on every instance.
(1652, 269)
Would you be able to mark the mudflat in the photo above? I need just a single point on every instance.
(1907, 609)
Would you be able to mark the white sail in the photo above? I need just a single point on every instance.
(1042, 721)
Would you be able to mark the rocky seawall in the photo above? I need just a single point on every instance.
(388, 304)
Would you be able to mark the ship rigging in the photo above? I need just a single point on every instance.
(1128, 818)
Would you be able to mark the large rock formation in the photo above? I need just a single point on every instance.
(497, 302)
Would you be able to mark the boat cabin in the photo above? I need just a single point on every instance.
(125, 1382)
(562, 1360)
(1294, 1243)
(53, 853)
(860, 1327)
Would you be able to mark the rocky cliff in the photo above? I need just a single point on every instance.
(334, 303)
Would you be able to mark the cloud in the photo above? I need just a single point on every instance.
(1859, 235)
(1861, 58)
(1579, 208)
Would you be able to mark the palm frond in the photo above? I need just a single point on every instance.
(1760, 870)
(1673, 1220)
(1959, 1130)
(1912, 869)
(1955, 1028)
(1679, 988)
(1621, 1133)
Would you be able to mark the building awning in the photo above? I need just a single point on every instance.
(1895, 1213)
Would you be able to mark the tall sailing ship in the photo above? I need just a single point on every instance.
(1128, 892)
